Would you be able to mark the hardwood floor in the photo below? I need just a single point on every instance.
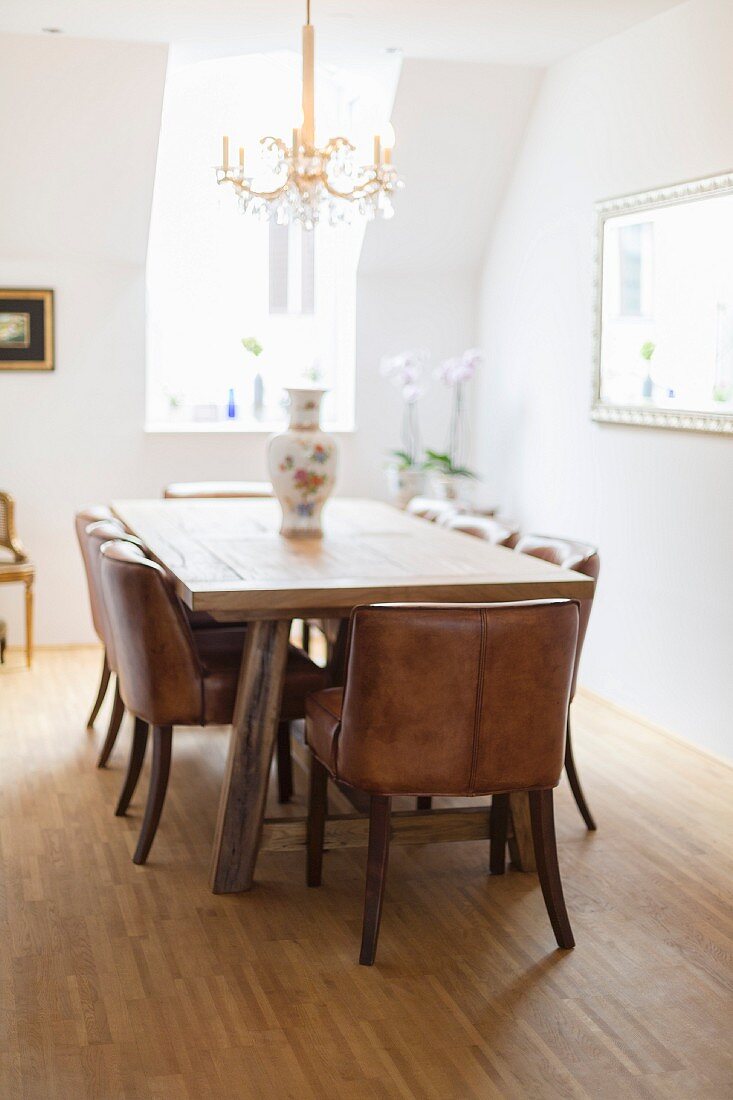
(119, 981)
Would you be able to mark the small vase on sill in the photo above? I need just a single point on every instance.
(302, 462)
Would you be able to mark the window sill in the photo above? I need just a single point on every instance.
(222, 427)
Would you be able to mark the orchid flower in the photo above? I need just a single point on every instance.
(405, 371)
(460, 368)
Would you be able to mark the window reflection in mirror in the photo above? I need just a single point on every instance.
(666, 331)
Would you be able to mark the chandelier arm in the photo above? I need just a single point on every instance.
(278, 143)
(336, 143)
(268, 196)
(370, 187)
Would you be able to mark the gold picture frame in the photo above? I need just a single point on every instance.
(26, 329)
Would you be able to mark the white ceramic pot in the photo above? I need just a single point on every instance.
(302, 462)
(404, 484)
(450, 487)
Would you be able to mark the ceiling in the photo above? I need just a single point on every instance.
(533, 32)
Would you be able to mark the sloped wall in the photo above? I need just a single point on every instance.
(459, 127)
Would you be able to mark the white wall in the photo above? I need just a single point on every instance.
(458, 128)
(75, 436)
(650, 107)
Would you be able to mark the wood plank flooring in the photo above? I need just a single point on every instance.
(137, 983)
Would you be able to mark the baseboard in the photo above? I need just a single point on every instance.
(654, 727)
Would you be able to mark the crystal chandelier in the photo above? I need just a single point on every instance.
(310, 182)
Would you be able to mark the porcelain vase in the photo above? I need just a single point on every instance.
(302, 462)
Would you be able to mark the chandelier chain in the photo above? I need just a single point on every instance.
(309, 180)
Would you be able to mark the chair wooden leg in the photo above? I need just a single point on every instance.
(543, 832)
(306, 636)
(118, 711)
(103, 684)
(284, 763)
(379, 828)
(29, 623)
(575, 786)
(424, 802)
(499, 823)
(162, 743)
(317, 809)
(137, 755)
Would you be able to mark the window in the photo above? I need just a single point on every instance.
(216, 277)
(635, 269)
(292, 269)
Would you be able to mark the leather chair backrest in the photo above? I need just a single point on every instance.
(93, 538)
(212, 490)
(9, 540)
(457, 699)
(160, 675)
(81, 521)
(483, 527)
(568, 554)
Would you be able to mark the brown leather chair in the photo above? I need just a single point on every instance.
(582, 558)
(496, 531)
(91, 540)
(193, 490)
(456, 700)
(170, 675)
(92, 535)
(82, 520)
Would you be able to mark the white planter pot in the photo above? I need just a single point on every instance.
(403, 485)
(302, 462)
(450, 487)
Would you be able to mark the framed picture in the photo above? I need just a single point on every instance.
(26, 330)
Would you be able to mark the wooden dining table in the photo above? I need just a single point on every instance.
(227, 558)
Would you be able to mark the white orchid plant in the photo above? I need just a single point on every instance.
(455, 373)
(406, 371)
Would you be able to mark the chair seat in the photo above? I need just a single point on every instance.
(323, 711)
(220, 651)
(16, 571)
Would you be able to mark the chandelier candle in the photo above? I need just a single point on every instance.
(309, 182)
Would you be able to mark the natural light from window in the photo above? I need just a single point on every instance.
(216, 277)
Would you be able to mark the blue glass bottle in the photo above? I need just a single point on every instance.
(231, 406)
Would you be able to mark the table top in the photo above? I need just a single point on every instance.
(226, 557)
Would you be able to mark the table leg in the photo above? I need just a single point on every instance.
(28, 622)
(254, 729)
(521, 845)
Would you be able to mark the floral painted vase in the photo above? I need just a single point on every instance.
(302, 462)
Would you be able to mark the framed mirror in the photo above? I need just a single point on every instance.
(663, 323)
